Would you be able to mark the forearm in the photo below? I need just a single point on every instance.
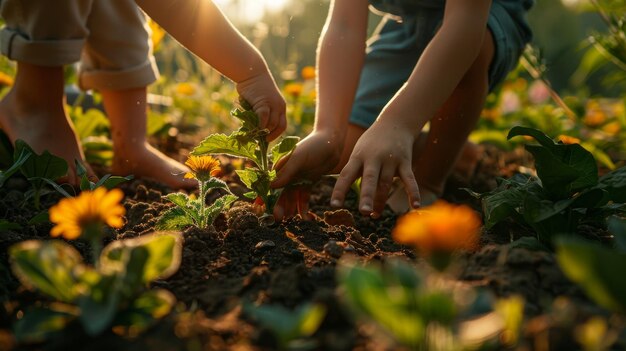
(439, 71)
(202, 28)
(341, 52)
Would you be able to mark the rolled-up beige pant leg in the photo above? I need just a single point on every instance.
(118, 51)
(44, 32)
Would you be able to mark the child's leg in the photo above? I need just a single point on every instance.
(133, 154)
(41, 43)
(453, 123)
(117, 61)
(33, 111)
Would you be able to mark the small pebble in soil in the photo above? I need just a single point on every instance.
(333, 249)
(264, 245)
(339, 217)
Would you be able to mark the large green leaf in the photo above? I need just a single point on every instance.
(173, 219)
(598, 270)
(503, 202)
(187, 205)
(99, 305)
(164, 250)
(212, 211)
(38, 167)
(283, 148)
(249, 119)
(144, 311)
(39, 323)
(563, 169)
(47, 266)
(615, 184)
(223, 144)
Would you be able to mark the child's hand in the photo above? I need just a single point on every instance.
(261, 92)
(381, 153)
(315, 156)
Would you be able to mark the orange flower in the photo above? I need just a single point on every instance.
(6, 80)
(294, 89)
(566, 139)
(91, 209)
(491, 114)
(202, 167)
(308, 72)
(439, 228)
(186, 89)
(612, 128)
(594, 117)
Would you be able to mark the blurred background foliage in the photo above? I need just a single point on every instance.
(576, 93)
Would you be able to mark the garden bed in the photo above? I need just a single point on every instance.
(292, 263)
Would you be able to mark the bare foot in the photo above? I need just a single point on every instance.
(148, 162)
(43, 129)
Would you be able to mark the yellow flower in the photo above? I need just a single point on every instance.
(91, 209)
(294, 89)
(6, 80)
(186, 89)
(612, 128)
(491, 114)
(157, 34)
(308, 72)
(202, 167)
(566, 139)
(439, 228)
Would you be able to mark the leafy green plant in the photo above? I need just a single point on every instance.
(289, 327)
(250, 142)
(566, 192)
(114, 294)
(596, 268)
(191, 211)
(413, 307)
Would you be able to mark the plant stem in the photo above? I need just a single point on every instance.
(96, 250)
(203, 190)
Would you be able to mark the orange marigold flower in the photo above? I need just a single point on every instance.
(566, 139)
(595, 117)
(203, 167)
(612, 128)
(441, 227)
(91, 209)
(6, 80)
(308, 72)
(294, 89)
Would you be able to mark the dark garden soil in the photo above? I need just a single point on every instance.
(292, 263)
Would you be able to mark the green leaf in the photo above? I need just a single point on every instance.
(110, 182)
(216, 183)
(56, 186)
(40, 218)
(283, 148)
(38, 167)
(164, 251)
(100, 305)
(6, 225)
(223, 144)
(190, 207)
(249, 176)
(89, 122)
(615, 184)
(249, 119)
(563, 169)
(19, 160)
(47, 266)
(144, 311)
(174, 219)
(212, 211)
(503, 202)
(38, 324)
(598, 270)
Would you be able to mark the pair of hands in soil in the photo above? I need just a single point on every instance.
(380, 154)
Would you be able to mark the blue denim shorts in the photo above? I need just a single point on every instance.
(407, 28)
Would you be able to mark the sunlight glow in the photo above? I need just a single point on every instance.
(250, 11)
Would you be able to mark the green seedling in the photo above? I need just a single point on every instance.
(194, 212)
(291, 328)
(597, 269)
(250, 142)
(566, 192)
(115, 294)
